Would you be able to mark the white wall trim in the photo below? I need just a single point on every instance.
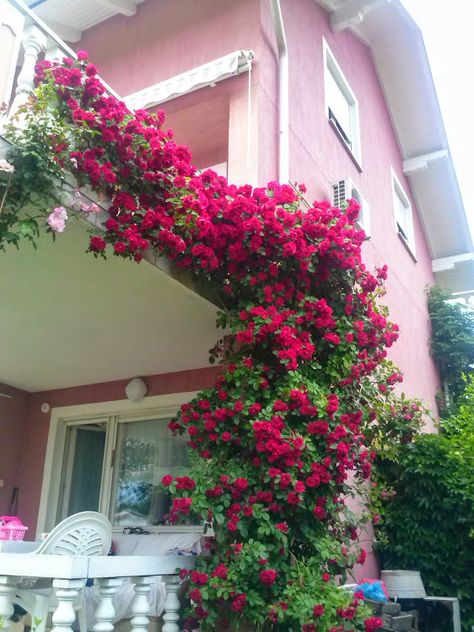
(156, 405)
(352, 15)
(421, 163)
(449, 263)
(200, 77)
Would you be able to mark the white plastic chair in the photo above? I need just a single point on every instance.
(86, 533)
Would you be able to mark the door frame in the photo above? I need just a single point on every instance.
(159, 405)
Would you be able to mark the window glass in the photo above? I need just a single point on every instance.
(339, 106)
(341, 103)
(82, 469)
(146, 452)
(402, 217)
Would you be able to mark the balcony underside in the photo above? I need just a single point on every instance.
(69, 319)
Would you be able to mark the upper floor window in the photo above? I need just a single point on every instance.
(341, 105)
(403, 214)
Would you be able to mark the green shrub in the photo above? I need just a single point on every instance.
(427, 515)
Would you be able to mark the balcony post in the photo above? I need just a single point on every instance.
(141, 604)
(7, 590)
(33, 42)
(171, 606)
(105, 612)
(66, 592)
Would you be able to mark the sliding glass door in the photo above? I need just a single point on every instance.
(115, 465)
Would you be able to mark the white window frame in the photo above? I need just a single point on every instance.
(332, 69)
(405, 232)
(153, 407)
(364, 215)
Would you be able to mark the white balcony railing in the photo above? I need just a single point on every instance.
(24, 40)
(68, 577)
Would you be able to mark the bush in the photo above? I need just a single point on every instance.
(426, 501)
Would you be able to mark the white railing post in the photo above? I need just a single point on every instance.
(33, 43)
(105, 612)
(141, 603)
(171, 606)
(7, 590)
(66, 592)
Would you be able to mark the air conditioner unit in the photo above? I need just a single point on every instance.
(341, 192)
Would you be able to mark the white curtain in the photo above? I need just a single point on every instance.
(146, 452)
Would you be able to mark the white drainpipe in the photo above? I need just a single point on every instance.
(283, 94)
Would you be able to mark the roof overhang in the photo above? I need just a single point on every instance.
(404, 72)
(70, 19)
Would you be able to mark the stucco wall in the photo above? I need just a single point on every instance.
(318, 158)
(12, 425)
(165, 38)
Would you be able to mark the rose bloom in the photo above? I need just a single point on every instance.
(373, 623)
(167, 480)
(57, 219)
(268, 576)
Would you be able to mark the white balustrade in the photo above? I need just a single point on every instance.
(108, 574)
(171, 606)
(34, 42)
(66, 592)
(7, 590)
(141, 604)
(105, 612)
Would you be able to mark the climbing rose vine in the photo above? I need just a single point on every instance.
(278, 443)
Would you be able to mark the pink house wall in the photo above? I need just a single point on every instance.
(12, 424)
(165, 39)
(318, 158)
(30, 438)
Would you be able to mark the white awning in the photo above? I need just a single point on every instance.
(206, 75)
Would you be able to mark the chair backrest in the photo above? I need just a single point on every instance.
(84, 533)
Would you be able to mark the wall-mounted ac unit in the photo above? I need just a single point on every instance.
(343, 190)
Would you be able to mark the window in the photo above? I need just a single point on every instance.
(146, 451)
(403, 215)
(112, 462)
(344, 190)
(341, 104)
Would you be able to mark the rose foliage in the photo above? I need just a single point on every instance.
(279, 441)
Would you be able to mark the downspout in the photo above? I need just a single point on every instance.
(283, 94)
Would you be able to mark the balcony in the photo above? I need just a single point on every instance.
(24, 40)
(68, 576)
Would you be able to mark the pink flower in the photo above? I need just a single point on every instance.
(167, 480)
(57, 219)
(91, 207)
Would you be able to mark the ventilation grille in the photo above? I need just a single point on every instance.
(341, 192)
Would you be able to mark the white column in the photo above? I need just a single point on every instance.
(34, 41)
(171, 606)
(141, 604)
(105, 612)
(66, 592)
(7, 590)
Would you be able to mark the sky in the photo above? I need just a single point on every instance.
(449, 39)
